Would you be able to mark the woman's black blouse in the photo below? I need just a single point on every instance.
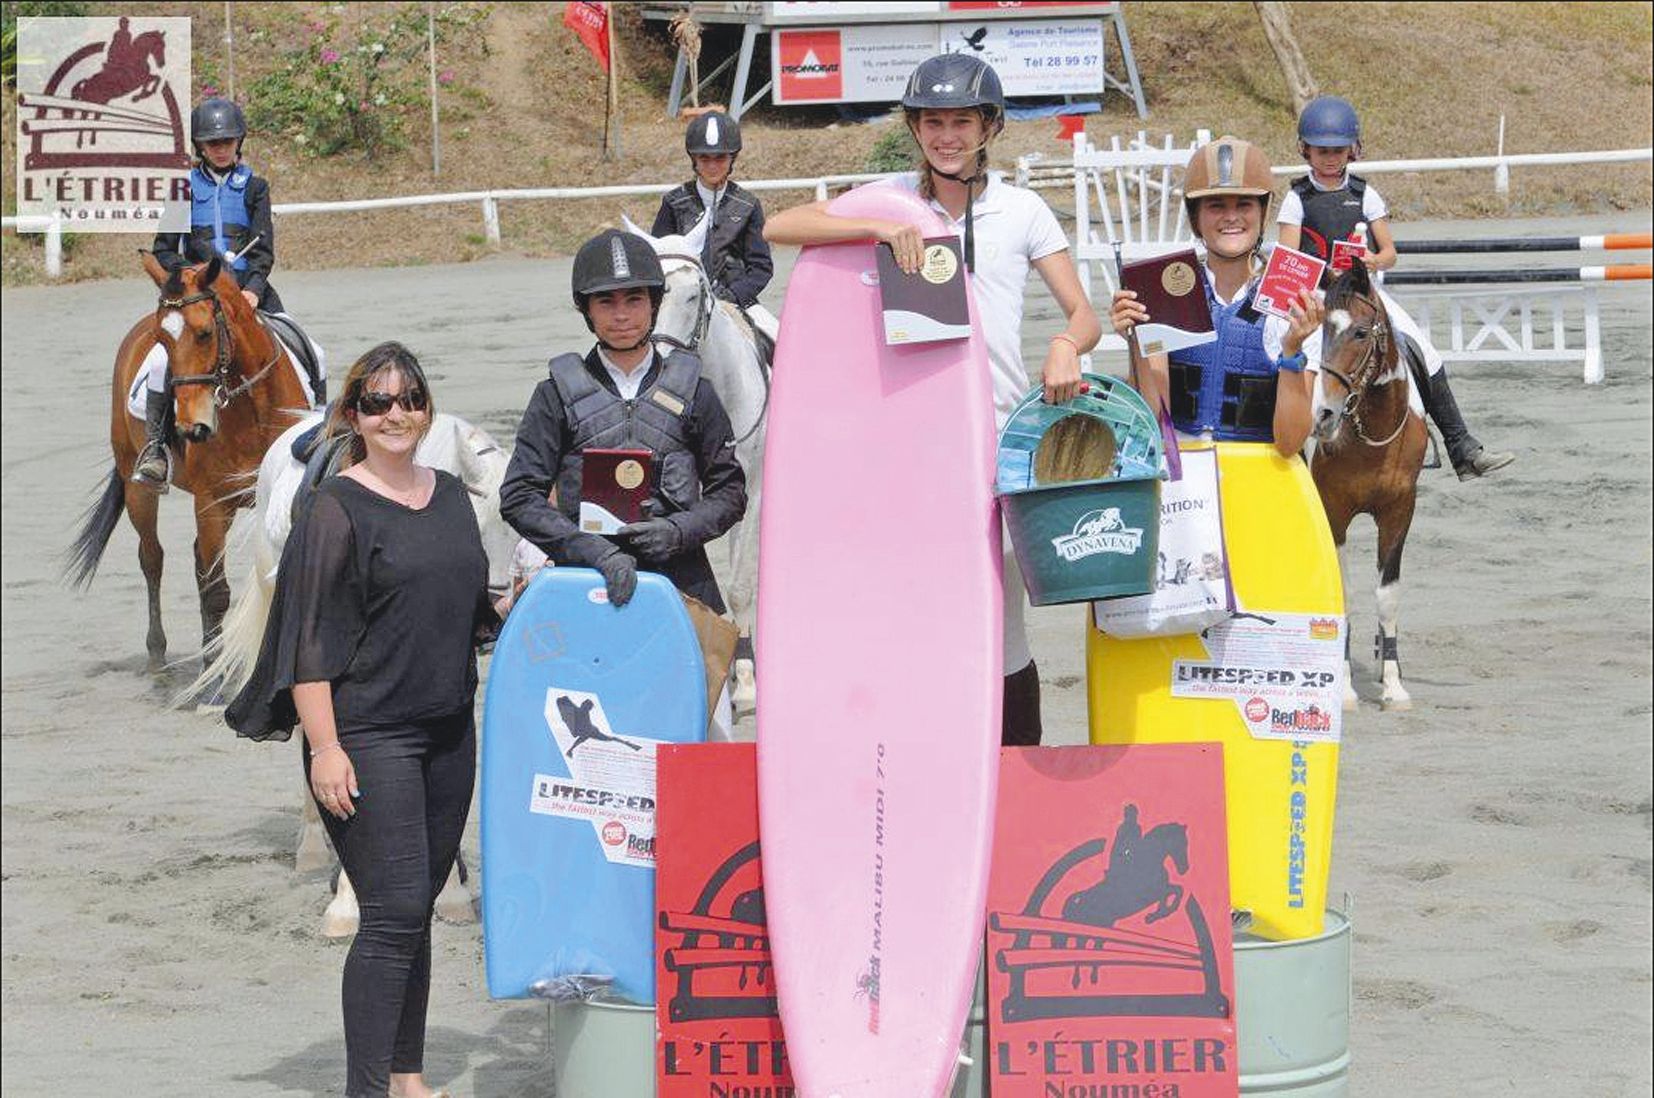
(380, 600)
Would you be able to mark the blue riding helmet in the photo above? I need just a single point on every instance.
(1329, 123)
(954, 80)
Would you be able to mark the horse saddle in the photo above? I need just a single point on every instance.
(299, 347)
(1413, 355)
(764, 327)
(321, 458)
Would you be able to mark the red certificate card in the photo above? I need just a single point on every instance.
(1345, 253)
(1289, 274)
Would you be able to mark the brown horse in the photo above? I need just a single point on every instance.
(235, 392)
(1369, 448)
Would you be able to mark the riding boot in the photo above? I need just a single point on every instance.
(1020, 720)
(1469, 457)
(153, 467)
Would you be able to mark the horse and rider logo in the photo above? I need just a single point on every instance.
(1072, 950)
(719, 966)
(100, 124)
(1100, 531)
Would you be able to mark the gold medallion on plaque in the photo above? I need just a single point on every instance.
(940, 264)
(629, 474)
(1178, 279)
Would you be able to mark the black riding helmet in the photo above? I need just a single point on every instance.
(959, 81)
(712, 134)
(616, 260)
(216, 119)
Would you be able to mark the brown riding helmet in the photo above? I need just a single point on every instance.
(1227, 166)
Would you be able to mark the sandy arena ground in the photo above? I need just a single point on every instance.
(1495, 841)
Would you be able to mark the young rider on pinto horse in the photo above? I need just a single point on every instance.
(229, 218)
(1329, 205)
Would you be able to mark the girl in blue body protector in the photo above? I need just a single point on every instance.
(229, 218)
(1254, 383)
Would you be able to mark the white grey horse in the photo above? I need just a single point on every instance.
(694, 318)
(452, 444)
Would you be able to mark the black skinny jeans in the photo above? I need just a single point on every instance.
(416, 784)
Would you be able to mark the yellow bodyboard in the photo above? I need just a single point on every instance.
(1281, 558)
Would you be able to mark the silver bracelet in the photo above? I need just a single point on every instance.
(314, 751)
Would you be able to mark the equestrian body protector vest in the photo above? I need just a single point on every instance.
(1329, 215)
(218, 212)
(1227, 386)
(655, 420)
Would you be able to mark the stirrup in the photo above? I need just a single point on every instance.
(143, 476)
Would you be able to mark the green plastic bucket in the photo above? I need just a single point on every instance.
(1078, 540)
(603, 1050)
(1292, 1013)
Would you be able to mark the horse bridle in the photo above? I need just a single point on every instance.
(223, 391)
(1357, 381)
(703, 324)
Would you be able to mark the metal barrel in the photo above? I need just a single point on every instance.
(603, 1050)
(1292, 1013)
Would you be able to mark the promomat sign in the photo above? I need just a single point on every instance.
(102, 122)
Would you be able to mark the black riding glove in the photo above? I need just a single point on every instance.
(654, 540)
(619, 576)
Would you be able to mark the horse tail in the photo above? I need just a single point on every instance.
(96, 526)
(230, 660)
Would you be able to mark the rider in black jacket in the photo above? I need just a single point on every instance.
(736, 257)
(624, 395)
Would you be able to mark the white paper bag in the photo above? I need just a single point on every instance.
(1192, 588)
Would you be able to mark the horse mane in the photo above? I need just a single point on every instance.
(1345, 289)
(175, 284)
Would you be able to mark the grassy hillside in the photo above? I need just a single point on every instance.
(521, 106)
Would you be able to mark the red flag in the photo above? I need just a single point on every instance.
(590, 22)
(1068, 125)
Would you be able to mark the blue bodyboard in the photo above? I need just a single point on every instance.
(579, 695)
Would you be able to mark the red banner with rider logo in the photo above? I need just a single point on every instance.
(715, 1007)
(590, 23)
(1110, 960)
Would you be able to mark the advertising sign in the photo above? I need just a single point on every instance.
(1109, 954)
(1035, 57)
(1285, 673)
(102, 122)
(715, 1006)
(870, 62)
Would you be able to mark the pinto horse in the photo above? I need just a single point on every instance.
(1369, 448)
(235, 392)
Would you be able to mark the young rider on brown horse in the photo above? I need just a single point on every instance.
(229, 218)
(1332, 204)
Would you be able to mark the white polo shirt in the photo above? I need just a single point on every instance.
(1013, 228)
(1373, 208)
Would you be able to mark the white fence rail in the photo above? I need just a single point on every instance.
(1127, 195)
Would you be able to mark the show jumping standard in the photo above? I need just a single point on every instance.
(1280, 793)
(880, 649)
(579, 695)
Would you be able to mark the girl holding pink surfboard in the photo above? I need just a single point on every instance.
(955, 107)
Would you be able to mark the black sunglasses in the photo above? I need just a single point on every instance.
(412, 399)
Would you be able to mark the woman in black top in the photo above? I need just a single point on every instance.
(380, 596)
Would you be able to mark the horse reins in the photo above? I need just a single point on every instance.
(703, 323)
(223, 392)
(1351, 411)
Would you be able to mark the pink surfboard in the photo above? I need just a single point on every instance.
(879, 651)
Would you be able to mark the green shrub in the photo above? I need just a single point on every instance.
(9, 14)
(894, 152)
(342, 87)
